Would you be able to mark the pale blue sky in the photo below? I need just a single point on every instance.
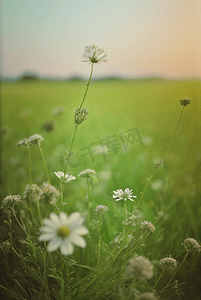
(141, 37)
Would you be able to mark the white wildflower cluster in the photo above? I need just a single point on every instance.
(64, 178)
(33, 193)
(100, 209)
(87, 173)
(139, 267)
(185, 101)
(123, 195)
(35, 139)
(148, 226)
(160, 214)
(130, 220)
(49, 193)
(80, 115)
(147, 296)
(9, 202)
(63, 232)
(191, 245)
(168, 263)
(94, 54)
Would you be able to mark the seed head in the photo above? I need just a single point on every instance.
(33, 193)
(191, 245)
(100, 209)
(148, 226)
(168, 263)
(139, 267)
(87, 173)
(185, 101)
(80, 115)
(49, 193)
(9, 202)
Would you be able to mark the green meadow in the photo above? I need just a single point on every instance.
(115, 109)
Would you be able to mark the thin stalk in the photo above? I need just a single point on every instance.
(30, 176)
(171, 142)
(124, 227)
(41, 151)
(146, 186)
(92, 65)
(99, 241)
(161, 274)
(175, 272)
(71, 147)
(62, 279)
(88, 200)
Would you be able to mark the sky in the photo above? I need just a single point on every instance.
(141, 37)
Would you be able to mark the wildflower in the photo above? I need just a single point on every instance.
(123, 195)
(36, 139)
(94, 54)
(33, 193)
(65, 179)
(9, 202)
(185, 101)
(139, 267)
(49, 193)
(130, 221)
(100, 209)
(58, 110)
(87, 173)
(147, 296)
(24, 142)
(148, 226)
(160, 214)
(168, 263)
(158, 164)
(191, 245)
(48, 126)
(63, 231)
(80, 115)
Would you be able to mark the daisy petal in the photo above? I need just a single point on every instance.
(46, 236)
(78, 240)
(67, 248)
(54, 244)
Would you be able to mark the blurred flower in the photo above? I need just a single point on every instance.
(147, 296)
(33, 193)
(36, 139)
(87, 173)
(58, 110)
(9, 202)
(185, 101)
(65, 179)
(158, 164)
(123, 195)
(156, 185)
(160, 214)
(191, 245)
(100, 209)
(139, 267)
(48, 126)
(148, 226)
(80, 115)
(24, 142)
(49, 193)
(63, 231)
(147, 140)
(168, 263)
(94, 54)
(130, 221)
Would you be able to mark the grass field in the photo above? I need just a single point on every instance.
(115, 106)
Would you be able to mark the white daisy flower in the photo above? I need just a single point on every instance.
(94, 54)
(123, 195)
(65, 179)
(63, 231)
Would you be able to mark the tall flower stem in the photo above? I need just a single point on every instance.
(47, 173)
(168, 149)
(99, 241)
(175, 273)
(124, 227)
(88, 200)
(161, 274)
(30, 176)
(88, 83)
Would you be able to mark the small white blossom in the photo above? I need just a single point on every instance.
(94, 54)
(9, 202)
(139, 267)
(63, 231)
(123, 195)
(36, 139)
(100, 209)
(87, 173)
(168, 263)
(65, 179)
(191, 245)
(148, 226)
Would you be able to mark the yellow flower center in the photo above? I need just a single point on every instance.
(63, 231)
